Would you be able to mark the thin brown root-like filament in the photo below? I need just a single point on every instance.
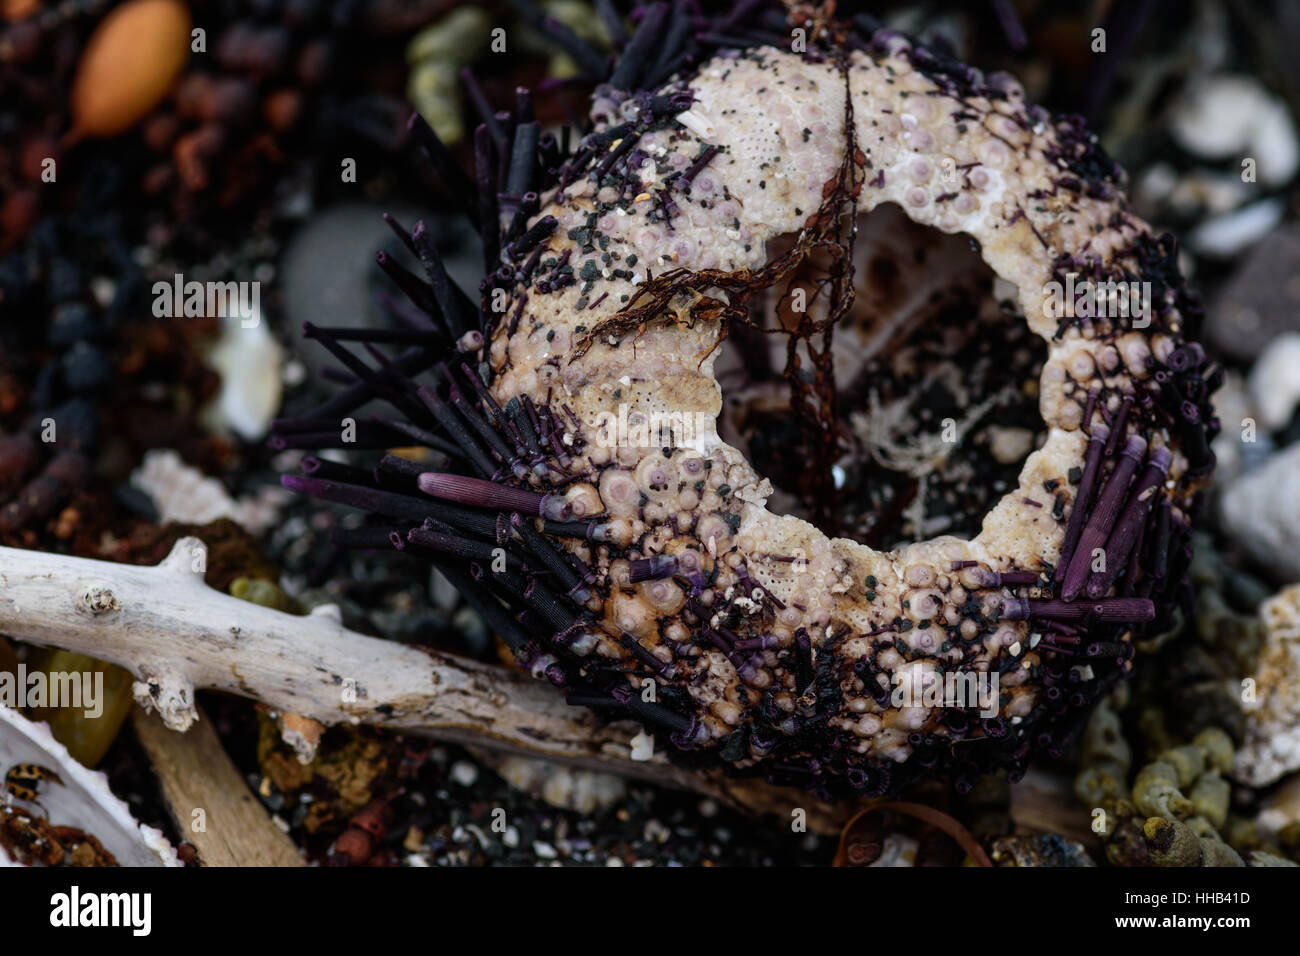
(935, 818)
(826, 245)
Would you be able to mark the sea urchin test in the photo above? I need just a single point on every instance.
(712, 321)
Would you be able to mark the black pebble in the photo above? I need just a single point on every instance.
(69, 322)
(78, 426)
(137, 501)
(85, 367)
(65, 280)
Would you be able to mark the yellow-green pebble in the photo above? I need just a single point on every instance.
(87, 737)
(259, 591)
(436, 55)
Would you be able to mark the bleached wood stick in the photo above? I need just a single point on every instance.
(197, 774)
(175, 634)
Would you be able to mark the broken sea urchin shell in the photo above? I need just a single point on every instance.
(625, 551)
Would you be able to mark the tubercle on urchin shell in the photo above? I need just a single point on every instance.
(626, 565)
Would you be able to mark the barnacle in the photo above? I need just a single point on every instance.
(1178, 805)
(1177, 811)
(706, 223)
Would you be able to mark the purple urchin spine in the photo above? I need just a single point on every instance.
(1130, 523)
(1083, 496)
(1103, 517)
(489, 494)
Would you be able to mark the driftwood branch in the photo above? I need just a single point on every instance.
(176, 635)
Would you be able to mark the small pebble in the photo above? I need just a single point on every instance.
(1261, 511)
(464, 773)
(1223, 237)
(1274, 382)
(1261, 300)
(1232, 117)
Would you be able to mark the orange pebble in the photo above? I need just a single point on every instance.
(281, 109)
(14, 10)
(128, 65)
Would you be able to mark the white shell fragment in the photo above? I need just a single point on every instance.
(248, 358)
(182, 493)
(1272, 744)
(1229, 117)
(83, 800)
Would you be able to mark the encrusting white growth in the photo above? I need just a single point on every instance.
(184, 494)
(1271, 747)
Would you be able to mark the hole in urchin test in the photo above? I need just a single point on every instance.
(935, 377)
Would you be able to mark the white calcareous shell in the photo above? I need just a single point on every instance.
(569, 788)
(1272, 744)
(83, 800)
